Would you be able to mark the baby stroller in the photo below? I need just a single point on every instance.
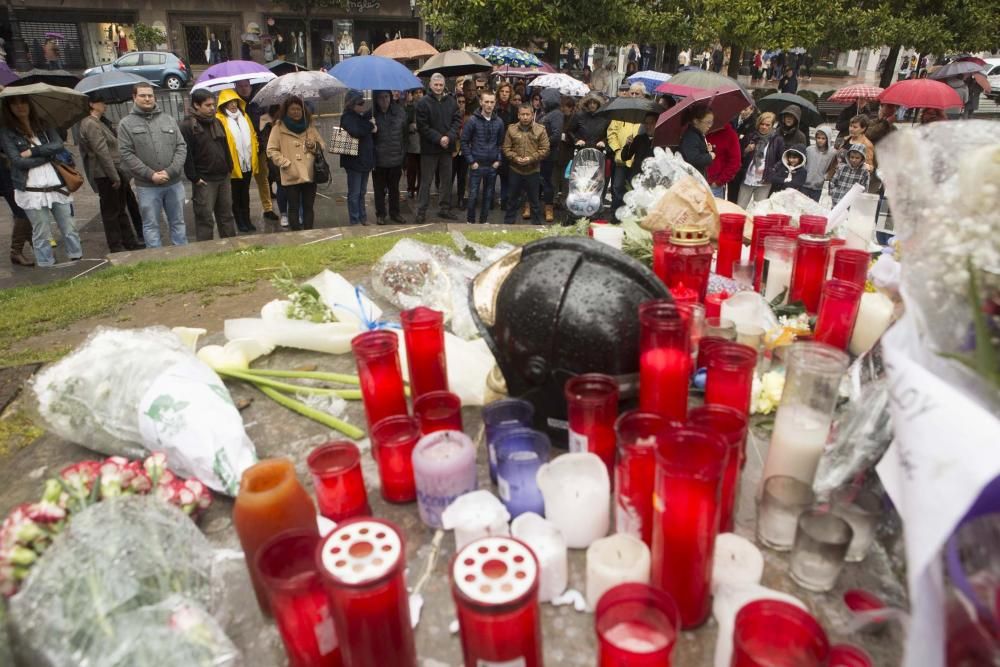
(585, 174)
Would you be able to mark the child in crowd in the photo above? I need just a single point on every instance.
(851, 172)
(790, 173)
(818, 159)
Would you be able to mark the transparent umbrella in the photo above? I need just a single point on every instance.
(307, 85)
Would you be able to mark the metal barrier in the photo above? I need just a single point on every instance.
(173, 103)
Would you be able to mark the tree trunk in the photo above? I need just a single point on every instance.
(735, 60)
(889, 68)
(670, 53)
(552, 50)
(309, 37)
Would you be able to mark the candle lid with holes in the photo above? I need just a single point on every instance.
(360, 552)
(495, 571)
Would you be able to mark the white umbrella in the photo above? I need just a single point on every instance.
(307, 85)
(566, 84)
(223, 82)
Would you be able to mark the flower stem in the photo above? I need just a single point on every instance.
(350, 394)
(341, 378)
(349, 430)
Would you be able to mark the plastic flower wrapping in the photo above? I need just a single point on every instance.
(659, 173)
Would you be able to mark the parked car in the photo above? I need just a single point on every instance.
(167, 70)
(992, 71)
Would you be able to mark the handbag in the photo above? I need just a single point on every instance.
(321, 170)
(342, 143)
(72, 179)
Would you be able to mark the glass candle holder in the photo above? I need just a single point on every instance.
(730, 376)
(730, 242)
(500, 416)
(860, 508)
(821, 543)
(689, 466)
(762, 226)
(781, 219)
(688, 258)
(782, 500)
(591, 409)
(847, 655)
(694, 313)
(438, 411)
(494, 582)
(423, 334)
(520, 453)
(271, 501)
(393, 440)
(363, 564)
(719, 327)
(744, 272)
(771, 632)
(301, 608)
(682, 294)
(705, 347)
(713, 303)
(732, 425)
(812, 224)
(838, 311)
(444, 467)
(377, 356)
(809, 271)
(661, 240)
(776, 277)
(759, 279)
(851, 265)
(340, 487)
(637, 626)
(802, 422)
(635, 473)
(664, 361)
(752, 336)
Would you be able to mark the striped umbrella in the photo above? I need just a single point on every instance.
(508, 55)
(859, 91)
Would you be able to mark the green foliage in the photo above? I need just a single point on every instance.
(147, 38)
(758, 93)
(929, 26)
(830, 71)
(809, 95)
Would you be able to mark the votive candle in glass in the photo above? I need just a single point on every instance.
(438, 411)
(848, 655)
(377, 357)
(591, 410)
(836, 244)
(339, 483)
(301, 608)
(732, 425)
(851, 265)
(781, 219)
(520, 453)
(681, 294)
(494, 583)
(779, 256)
(661, 240)
(812, 224)
(664, 359)
(713, 303)
(705, 347)
(500, 415)
(690, 462)
(730, 242)
(772, 632)
(423, 333)
(838, 311)
(393, 440)
(744, 272)
(782, 500)
(637, 626)
(363, 565)
(861, 508)
(444, 467)
(762, 225)
(720, 327)
(821, 543)
(694, 313)
(688, 258)
(635, 473)
(809, 272)
(730, 376)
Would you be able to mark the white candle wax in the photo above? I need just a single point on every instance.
(779, 277)
(742, 308)
(636, 637)
(549, 548)
(737, 562)
(474, 515)
(613, 560)
(797, 442)
(874, 317)
(577, 494)
(611, 235)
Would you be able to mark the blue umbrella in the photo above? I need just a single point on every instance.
(508, 55)
(374, 73)
(649, 78)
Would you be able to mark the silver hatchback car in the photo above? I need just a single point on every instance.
(165, 69)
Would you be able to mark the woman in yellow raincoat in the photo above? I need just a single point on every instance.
(242, 138)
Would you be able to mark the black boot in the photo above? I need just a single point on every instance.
(20, 236)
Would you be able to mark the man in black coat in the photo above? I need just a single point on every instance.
(208, 165)
(438, 121)
(390, 151)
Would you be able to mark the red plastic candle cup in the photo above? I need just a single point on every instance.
(636, 626)
(812, 224)
(690, 462)
(847, 655)
(301, 608)
(705, 347)
(770, 632)
(661, 240)
(377, 356)
(730, 376)
(730, 242)
(851, 265)
(664, 359)
(637, 434)
(781, 219)
(362, 563)
(732, 426)
(809, 272)
(591, 409)
(681, 293)
(761, 225)
(494, 582)
(713, 303)
(438, 411)
(423, 333)
(838, 311)
(393, 440)
(340, 486)
(688, 258)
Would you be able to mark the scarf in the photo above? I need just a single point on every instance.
(296, 126)
(240, 131)
(760, 143)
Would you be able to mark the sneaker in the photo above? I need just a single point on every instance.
(270, 215)
(52, 242)
(284, 221)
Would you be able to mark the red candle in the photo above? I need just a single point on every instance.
(637, 626)
(688, 258)
(661, 239)
(847, 655)
(761, 224)
(851, 265)
(732, 425)
(301, 609)
(494, 582)
(423, 333)
(340, 486)
(809, 271)
(664, 361)
(377, 356)
(438, 411)
(838, 311)
(812, 224)
(730, 376)
(770, 632)
(689, 466)
(393, 440)
(637, 434)
(681, 293)
(730, 242)
(713, 303)
(781, 219)
(705, 347)
(362, 563)
(591, 409)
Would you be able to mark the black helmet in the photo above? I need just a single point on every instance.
(559, 307)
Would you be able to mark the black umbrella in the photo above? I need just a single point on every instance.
(629, 109)
(280, 67)
(53, 77)
(110, 87)
(777, 103)
(59, 106)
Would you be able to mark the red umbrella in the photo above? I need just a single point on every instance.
(983, 82)
(725, 105)
(856, 92)
(922, 94)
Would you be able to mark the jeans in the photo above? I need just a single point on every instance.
(750, 193)
(521, 185)
(812, 193)
(619, 183)
(41, 231)
(166, 198)
(386, 180)
(301, 197)
(548, 189)
(484, 177)
(439, 163)
(213, 205)
(718, 191)
(241, 202)
(357, 184)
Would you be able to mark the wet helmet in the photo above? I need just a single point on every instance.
(559, 307)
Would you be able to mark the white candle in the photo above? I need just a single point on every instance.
(861, 221)
(797, 442)
(474, 515)
(577, 493)
(613, 560)
(742, 308)
(874, 317)
(612, 235)
(737, 562)
(549, 548)
(779, 277)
